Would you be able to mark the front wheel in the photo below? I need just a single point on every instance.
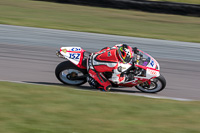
(157, 84)
(68, 73)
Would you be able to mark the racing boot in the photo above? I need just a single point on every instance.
(100, 81)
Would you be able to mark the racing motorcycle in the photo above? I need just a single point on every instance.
(146, 70)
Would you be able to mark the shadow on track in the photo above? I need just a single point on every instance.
(118, 90)
(43, 83)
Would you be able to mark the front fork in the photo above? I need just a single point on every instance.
(148, 83)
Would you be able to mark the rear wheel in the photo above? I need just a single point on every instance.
(157, 84)
(68, 73)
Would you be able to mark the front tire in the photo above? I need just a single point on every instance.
(66, 69)
(156, 85)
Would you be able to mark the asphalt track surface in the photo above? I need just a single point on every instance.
(28, 55)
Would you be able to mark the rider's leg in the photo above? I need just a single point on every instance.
(103, 83)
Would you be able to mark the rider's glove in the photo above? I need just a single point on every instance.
(135, 50)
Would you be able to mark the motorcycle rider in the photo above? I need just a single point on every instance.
(117, 60)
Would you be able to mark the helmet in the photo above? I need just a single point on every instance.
(125, 53)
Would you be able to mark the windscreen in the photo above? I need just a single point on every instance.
(142, 59)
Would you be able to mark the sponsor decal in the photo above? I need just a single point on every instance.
(109, 54)
(139, 81)
(152, 63)
(119, 69)
(152, 72)
(64, 50)
(76, 49)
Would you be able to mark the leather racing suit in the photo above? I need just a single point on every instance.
(106, 60)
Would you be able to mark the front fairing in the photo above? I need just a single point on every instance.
(147, 66)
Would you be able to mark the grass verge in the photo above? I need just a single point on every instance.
(26, 108)
(99, 20)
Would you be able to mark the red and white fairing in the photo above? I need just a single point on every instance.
(151, 68)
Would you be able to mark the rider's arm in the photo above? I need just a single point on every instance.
(120, 73)
(135, 50)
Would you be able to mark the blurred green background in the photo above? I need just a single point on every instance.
(99, 20)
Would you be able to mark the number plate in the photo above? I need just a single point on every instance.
(74, 55)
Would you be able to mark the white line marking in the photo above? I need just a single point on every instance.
(163, 97)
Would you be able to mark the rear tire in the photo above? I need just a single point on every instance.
(66, 69)
(158, 84)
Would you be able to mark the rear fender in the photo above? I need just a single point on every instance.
(73, 54)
